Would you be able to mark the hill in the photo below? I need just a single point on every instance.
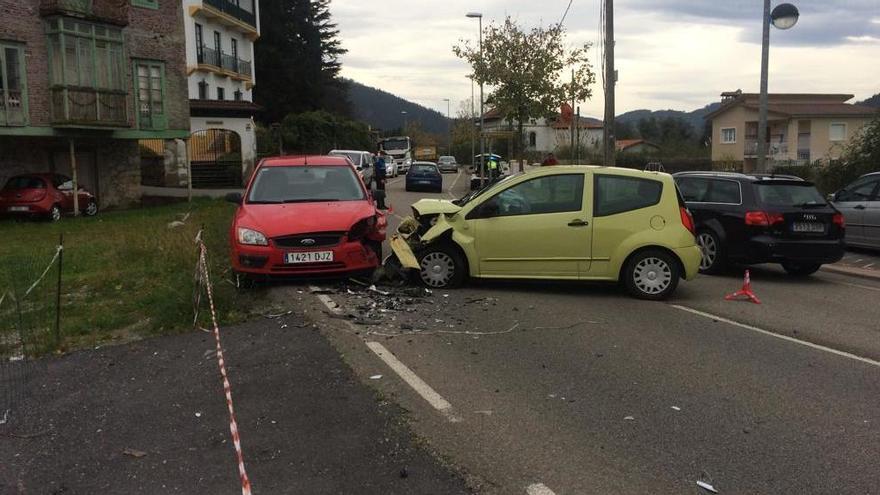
(873, 101)
(383, 110)
(694, 118)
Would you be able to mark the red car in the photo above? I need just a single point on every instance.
(45, 195)
(308, 215)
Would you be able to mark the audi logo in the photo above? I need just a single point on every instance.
(307, 242)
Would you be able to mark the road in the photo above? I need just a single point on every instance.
(566, 388)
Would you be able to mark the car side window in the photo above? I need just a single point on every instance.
(724, 191)
(549, 194)
(858, 192)
(618, 194)
(694, 189)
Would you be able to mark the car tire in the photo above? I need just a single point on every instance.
(91, 208)
(55, 213)
(800, 269)
(441, 266)
(712, 250)
(651, 274)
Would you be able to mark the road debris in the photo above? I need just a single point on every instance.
(706, 486)
(134, 452)
(376, 377)
(676, 408)
(278, 315)
(629, 418)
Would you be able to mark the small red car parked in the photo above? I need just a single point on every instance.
(308, 215)
(44, 195)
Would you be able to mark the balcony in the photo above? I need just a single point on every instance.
(224, 63)
(237, 14)
(88, 107)
(110, 11)
(772, 149)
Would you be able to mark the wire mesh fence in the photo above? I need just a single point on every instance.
(30, 318)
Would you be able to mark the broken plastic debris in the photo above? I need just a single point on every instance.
(376, 377)
(676, 408)
(629, 418)
(377, 291)
(706, 486)
(134, 452)
(198, 415)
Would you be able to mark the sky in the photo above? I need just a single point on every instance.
(678, 54)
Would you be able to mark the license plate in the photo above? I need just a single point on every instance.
(19, 208)
(808, 227)
(309, 257)
(425, 182)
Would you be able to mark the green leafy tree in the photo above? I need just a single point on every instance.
(861, 156)
(320, 131)
(525, 70)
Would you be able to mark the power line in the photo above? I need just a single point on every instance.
(565, 13)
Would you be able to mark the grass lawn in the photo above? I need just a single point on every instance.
(126, 274)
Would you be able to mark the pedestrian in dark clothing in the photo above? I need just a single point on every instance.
(379, 176)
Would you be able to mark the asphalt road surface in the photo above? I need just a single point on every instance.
(570, 388)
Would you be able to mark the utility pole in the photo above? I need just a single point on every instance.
(571, 146)
(577, 139)
(761, 163)
(610, 81)
(471, 123)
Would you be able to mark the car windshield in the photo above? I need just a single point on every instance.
(302, 184)
(395, 144)
(479, 192)
(25, 182)
(447, 159)
(789, 194)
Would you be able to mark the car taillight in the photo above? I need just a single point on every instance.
(763, 219)
(839, 220)
(687, 220)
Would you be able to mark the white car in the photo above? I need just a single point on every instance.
(447, 164)
(362, 160)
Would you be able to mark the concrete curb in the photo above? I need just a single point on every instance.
(853, 272)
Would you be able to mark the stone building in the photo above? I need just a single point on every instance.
(82, 81)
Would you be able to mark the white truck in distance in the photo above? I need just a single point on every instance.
(399, 149)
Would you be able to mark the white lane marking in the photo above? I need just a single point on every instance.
(326, 300)
(452, 186)
(778, 336)
(539, 489)
(432, 397)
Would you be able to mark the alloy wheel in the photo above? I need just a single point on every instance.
(437, 269)
(708, 250)
(91, 209)
(652, 275)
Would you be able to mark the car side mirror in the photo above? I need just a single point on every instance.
(234, 198)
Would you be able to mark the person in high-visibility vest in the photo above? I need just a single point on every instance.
(493, 168)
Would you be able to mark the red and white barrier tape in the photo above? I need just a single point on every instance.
(227, 389)
(48, 267)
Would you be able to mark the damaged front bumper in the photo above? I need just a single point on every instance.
(404, 241)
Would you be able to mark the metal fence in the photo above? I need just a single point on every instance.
(30, 320)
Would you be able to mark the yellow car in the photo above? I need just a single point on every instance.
(562, 222)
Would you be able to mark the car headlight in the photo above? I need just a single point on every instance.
(251, 237)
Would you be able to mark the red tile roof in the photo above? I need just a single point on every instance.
(623, 144)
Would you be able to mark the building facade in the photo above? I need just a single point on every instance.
(220, 37)
(801, 128)
(547, 135)
(82, 81)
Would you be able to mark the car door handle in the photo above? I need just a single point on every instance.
(578, 223)
(859, 207)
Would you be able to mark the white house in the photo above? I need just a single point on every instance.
(544, 135)
(220, 37)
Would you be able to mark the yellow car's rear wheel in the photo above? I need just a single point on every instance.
(652, 274)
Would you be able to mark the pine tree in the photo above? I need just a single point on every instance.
(297, 60)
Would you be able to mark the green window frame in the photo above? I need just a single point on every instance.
(13, 85)
(86, 72)
(149, 90)
(147, 4)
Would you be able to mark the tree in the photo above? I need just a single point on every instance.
(318, 132)
(297, 60)
(525, 71)
(861, 156)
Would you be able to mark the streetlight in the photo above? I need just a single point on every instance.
(448, 128)
(479, 17)
(403, 112)
(784, 16)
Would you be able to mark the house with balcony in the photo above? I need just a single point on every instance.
(802, 129)
(220, 37)
(82, 81)
(544, 135)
